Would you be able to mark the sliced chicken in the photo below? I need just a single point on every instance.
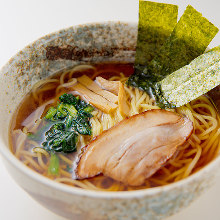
(136, 148)
(111, 86)
(91, 85)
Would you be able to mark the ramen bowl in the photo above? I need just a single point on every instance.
(91, 43)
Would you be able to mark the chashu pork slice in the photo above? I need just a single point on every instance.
(136, 148)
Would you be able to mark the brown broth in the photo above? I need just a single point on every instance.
(29, 105)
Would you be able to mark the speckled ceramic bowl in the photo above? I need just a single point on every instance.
(65, 49)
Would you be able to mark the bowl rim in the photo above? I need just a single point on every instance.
(9, 156)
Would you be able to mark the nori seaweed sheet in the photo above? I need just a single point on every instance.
(193, 80)
(189, 39)
(156, 23)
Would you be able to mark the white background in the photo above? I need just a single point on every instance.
(22, 22)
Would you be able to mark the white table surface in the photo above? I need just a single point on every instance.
(23, 21)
